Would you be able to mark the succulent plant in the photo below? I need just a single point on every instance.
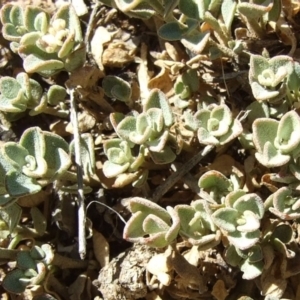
(33, 267)
(23, 93)
(276, 142)
(185, 85)
(150, 224)
(39, 155)
(149, 128)
(256, 15)
(47, 46)
(240, 218)
(249, 261)
(268, 77)
(11, 216)
(117, 88)
(120, 158)
(215, 125)
(196, 225)
(30, 270)
(276, 238)
(293, 83)
(213, 15)
(284, 203)
(216, 185)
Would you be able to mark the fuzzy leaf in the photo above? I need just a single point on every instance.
(56, 94)
(10, 87)
(19, 185)
(261, 94)
(158, 144)
(126, 127)
(25, 261)
(172, 31)
(191, 79)
(251, 222)
(17, 15)
(271, 157)
(114, 143)
(116, 87)
(39, 220)
(127, 5)
(225, 218)
(68, 13)
(244, 240)
(264, 130)
(5, 13)
(253, 11)
(228, 9)
(206, 138)
(196, 41)
(193, 9)
(232, 256)
(15, 154)
(157, 99)
(186, 214)
(12, 283)
(31, 13)
(6, 200)
(134, 226)
(111, 169)
(258, 64)
(11, 215)
(153, 224)
(66, 47)
(41, 22)
(190, 122)
(11, 33)
(75, 59)
(33, 63)
(251, 270)
(201, 118)
(235, 129)
(30, 38)
(165, 156)
(33, 140)
(215, 180)
(283, 232)
(250, 202)
(148, 207)
(223, 117)
(288, 137)
(143, 130)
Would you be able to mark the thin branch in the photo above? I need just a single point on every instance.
(172, 179)
(81, 206)
(90, 26)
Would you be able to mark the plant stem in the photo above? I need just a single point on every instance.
(54, 112)
(173, 178)
(81, 206)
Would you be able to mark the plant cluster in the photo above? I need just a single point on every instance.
(46, 45)
(249, 209)
(224, 214)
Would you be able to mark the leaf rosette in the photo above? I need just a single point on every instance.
(240, 218)
(276, 141)
(47, 46)
(39, 158)
(150, 224)
(215, 125)
(196, 225)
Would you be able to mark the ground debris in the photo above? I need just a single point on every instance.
(124, 277)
